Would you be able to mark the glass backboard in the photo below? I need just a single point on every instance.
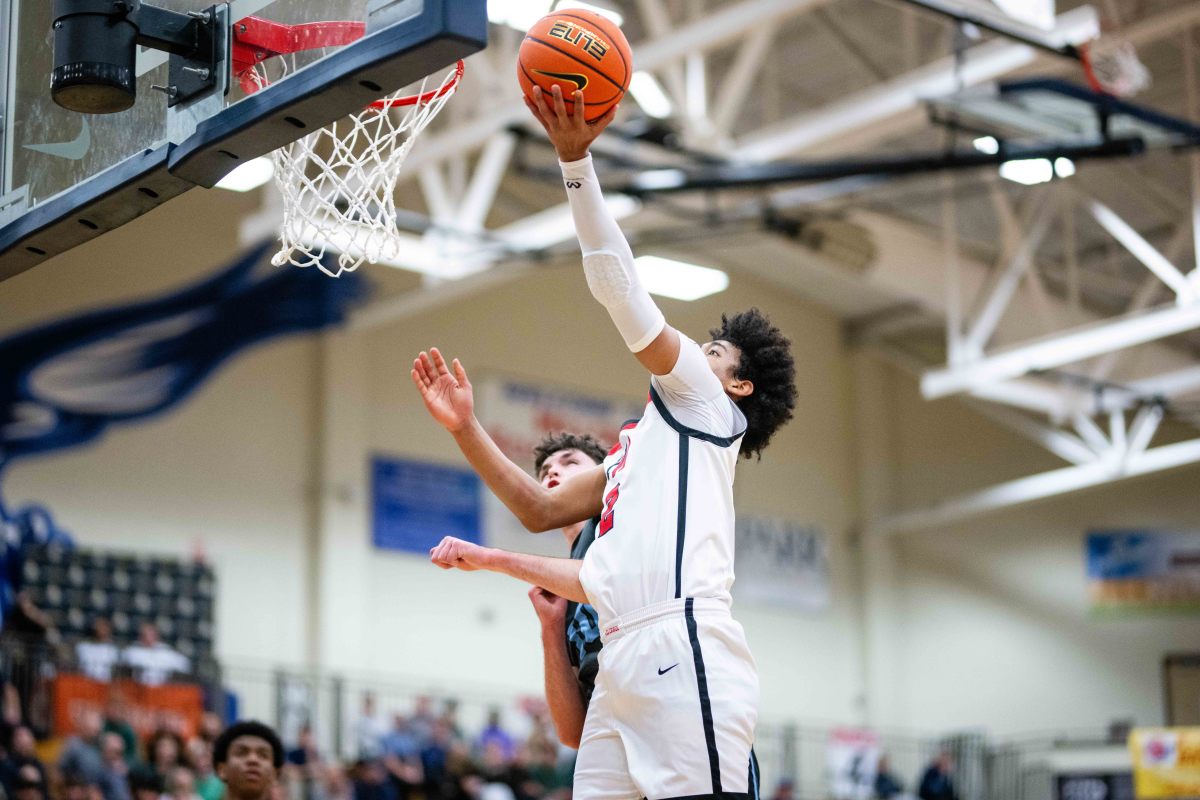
(56, 161)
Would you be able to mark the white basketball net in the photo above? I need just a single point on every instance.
(1113, 66)
(338, 183)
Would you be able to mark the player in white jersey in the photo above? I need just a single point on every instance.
(676, 697)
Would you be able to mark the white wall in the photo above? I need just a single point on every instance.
(980, 624)
(992, 627)
(229, 469)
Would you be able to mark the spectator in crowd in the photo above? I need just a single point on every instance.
(98, 655)
(248, 757)
(494, 733)
(152, 660)
(435, 761)
(402, 757)
(784, 790)
(887, 785)
(76, 787)
(181, 785)
(422, 720)
(28, 784)
(115, 783)
(371, 781)
(210, 727)
(144, 784)
(22, 754)
(199, 756)
(502, 778)
(164, 752)
(369, 730)
(938, 781)
(303, 764)
(81, 757)
(335, 783)
(116, 720)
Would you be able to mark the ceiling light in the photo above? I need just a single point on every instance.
(678, 279)
(649, 94)
(519, 14)
(987, 144)
(1039, 13)
(604, 11)
(251, 175)
(1064, 167)
(1028, 171)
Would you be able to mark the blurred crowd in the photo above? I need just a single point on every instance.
(427, 754)
(105, 760)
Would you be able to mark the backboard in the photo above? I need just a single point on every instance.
(67, 177)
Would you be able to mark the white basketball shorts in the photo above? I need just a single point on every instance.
(674, 709)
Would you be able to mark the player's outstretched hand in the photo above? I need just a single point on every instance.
(454, 553)
(550, 608)
(571, 134)
(448, 395)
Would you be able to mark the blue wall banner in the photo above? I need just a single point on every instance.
(1132, 571)
(414, 504)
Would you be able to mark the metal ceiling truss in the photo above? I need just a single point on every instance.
(996, 379)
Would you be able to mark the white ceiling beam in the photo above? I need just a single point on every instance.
(906, 92)
(1143, 428)
(1059, 442)
(1061, 349)
(998, 301)
(1169, 384)
(739, 78)
(1142, 299)
(658, 23)
(1039, 487)
(1142, 250)
(718, 28)
(485, 182)
(1091, 433)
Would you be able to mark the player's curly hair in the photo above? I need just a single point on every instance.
(247, 728)
(767, 363)
(554, 442)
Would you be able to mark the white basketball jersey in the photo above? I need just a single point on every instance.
(667, 526)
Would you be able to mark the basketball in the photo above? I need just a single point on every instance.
(578, 50)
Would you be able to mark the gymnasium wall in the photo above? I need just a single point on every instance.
(991, 624)
(229, 468)
(979, 624)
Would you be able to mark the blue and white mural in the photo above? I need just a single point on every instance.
(64, 384)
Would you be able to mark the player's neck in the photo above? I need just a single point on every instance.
(571, 533)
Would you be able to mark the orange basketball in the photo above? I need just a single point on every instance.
(577, 49)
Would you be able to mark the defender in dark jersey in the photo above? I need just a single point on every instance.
(570, 630)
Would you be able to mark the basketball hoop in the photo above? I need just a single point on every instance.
(1112, 66)
(338, 183)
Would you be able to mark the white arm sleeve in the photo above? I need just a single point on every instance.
(607, 259)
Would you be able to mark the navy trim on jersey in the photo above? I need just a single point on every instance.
(684, 430)
(710, 735)
(681, 515)
(714, 796)
(753, 781)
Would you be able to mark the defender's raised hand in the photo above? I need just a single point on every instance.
(571, 134)
(448, 395)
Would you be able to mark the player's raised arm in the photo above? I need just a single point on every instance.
(607, 259)
(450, 400)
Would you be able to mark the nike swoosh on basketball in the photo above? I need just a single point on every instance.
(73, 150)
(668, 669)
(579, 80)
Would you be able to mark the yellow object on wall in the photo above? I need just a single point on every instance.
(1166, 762)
